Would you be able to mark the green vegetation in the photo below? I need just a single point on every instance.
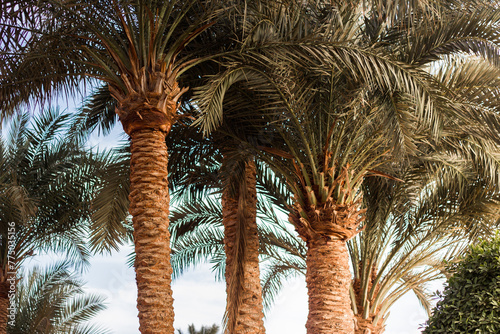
(52, 301)
(48, 181)
(470, 302)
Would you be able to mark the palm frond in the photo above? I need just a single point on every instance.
(52, 300)
(62, 46)
(48, 185)
(111, 224)
(273, 279)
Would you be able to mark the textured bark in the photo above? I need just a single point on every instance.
(244, 293)
(325, 223)
(149, 206)
(147, 110)
(4, 304)
(328, 279)
(366, 326)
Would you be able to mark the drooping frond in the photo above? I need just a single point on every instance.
(48, 184)
(417, 225)
(470, 31)
(111, 224)
(273, 279)
(197, 236)
(52, 300)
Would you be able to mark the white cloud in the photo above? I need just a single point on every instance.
(111, 277)
(200, 300)
(289, 313)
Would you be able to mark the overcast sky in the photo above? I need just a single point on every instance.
(200, 300)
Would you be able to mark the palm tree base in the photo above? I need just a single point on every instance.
(328, 280)
(366, 326)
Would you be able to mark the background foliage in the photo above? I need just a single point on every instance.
(471, 299)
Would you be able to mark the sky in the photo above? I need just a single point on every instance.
(200, 300)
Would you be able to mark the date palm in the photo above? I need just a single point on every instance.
(216, 164)
(448, 200)
(197, 226)
(347, 112)
(198, 237)
(52, 301)
(410, 230)
(47, 185)
(136, 49)
(401, 251)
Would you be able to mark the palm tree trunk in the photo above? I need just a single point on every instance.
(4, 304)
(149, 206)
(365, 326)
(244, 311)
(328, 279)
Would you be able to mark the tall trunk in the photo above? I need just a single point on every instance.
(4, 304)
(147, 111)
(149, 206)
(326, 226)
(328, 279)
(244, 311)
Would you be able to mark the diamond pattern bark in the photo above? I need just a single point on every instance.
(328, 279)
(248, 315)
(149, 206)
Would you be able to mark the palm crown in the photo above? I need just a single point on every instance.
(364, 98)
(346, 89)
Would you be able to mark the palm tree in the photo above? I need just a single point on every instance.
(214, 164)
(198, 228)
(241, 242)
(52, 301)
(198, 237)
(136, 49)
(411, 229)
(47, 184)
(417, 227)
(359, 104)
